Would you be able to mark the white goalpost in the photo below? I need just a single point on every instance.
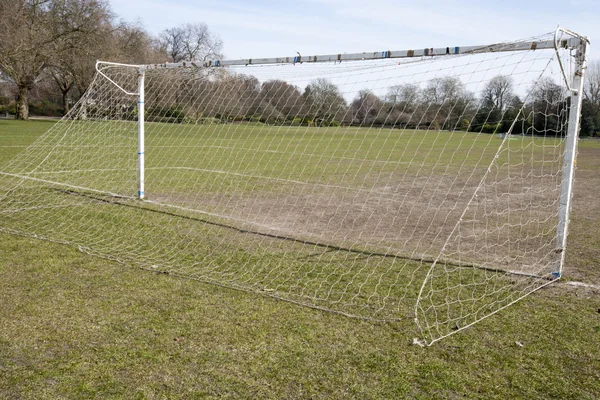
(429, 184)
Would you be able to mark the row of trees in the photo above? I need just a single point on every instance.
(48, 48)
(443, 103)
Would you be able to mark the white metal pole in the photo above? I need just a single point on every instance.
(377, 55)
(141, 134)
(566, 188)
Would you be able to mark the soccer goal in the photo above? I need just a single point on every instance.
(429, 184)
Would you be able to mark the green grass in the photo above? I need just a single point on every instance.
(15, 136)
(76, 326)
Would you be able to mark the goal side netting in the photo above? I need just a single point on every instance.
(430, 184)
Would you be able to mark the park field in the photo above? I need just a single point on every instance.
(77, 326)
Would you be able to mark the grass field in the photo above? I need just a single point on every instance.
(76, 326)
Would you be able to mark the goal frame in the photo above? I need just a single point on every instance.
(566, 188)
(573, 83)
(577, 42)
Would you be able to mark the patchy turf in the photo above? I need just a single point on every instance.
(75, 326)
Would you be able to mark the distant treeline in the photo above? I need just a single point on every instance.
(442, 104)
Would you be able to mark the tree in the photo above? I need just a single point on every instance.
(590, 118)
(402, 102)
(591, 87)
(324, 101)
(514, 111)
(24, 46)
(34, 34)
(245, 97)
(496, 99)
(404, 97)
(73, 64)
(547, 92)
(548, 106)
(498, 93)
(443, 90)
(132, 44)
(7, 94)
(190, 42)
(590, 110)
(282, 97)
(446, 102)
(366, 108)
(74, 68)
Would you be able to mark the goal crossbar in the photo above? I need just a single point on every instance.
(375, 55)
(378, 55)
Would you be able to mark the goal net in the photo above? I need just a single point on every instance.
(430, 184)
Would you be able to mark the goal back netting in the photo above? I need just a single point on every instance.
(431, 184)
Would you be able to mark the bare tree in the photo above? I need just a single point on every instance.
(591, 88)
(286, 98)
(60, 40)
(132, 44)
(547, 92)
(547, 105)
(496, 98)
(190, 42)
(324, 101)
(498, 93)
(125, 42)
(35, 33)
(7, 92)
(366, 107)
(73, 64)
(404, 97)
(446, 102)
(24, 43)
(590, 110)
(443, 90)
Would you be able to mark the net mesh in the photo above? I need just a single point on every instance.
(423, 188)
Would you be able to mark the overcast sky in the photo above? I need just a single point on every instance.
(273, 28)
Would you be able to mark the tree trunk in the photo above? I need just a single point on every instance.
(65, 101)
(22, 103)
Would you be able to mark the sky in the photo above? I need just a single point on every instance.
(271, 28)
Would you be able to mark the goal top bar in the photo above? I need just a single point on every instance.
(427, 52)
(526, 45)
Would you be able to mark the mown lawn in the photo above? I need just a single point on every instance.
(76, 326)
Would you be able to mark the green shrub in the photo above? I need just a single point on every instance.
(133, 114)
(173, 114)
(45, 108)
(272, 120)
(463, 125)
(208, 121)
(491, 128)
(435, 126)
